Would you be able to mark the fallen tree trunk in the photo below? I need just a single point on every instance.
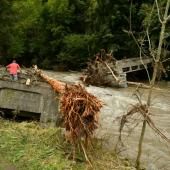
(79, 108)
(57, 86)
(141, 85)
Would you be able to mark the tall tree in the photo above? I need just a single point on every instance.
(6, 23)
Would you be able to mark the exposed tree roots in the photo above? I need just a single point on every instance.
(79, 108)
(101, 71)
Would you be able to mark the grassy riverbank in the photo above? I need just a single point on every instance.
(27, 146)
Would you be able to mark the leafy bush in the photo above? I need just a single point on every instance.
(76, 49)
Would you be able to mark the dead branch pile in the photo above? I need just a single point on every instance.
(101, 71)
(80, 109)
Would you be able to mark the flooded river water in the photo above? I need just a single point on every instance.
(156, 152)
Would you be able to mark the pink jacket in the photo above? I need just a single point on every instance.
(13, 68)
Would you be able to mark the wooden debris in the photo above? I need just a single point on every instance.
(57, 86)
(80, 109)
(142, 85)
(114, 76)
(101, 71)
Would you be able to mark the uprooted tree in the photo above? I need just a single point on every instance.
(141, 111)
(101, 71)
(80, 110)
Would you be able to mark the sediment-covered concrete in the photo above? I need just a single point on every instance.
(38, 99)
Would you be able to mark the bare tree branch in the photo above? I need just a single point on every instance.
(140, 108)
(165, 60)
(159, 51)
(158, 12)
(150, 46)
(144, 66)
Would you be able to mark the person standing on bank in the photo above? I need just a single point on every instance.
(13, 69)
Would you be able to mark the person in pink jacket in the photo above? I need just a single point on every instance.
(13, 69)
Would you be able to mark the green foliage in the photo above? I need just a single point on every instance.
(46, 63)
(27, 33)
(6, 23)
(28, 13)
(16, 47)
(31, 148)
(28, 146)
(150, 20)
(58, 8)
(70, 31)
(76, 49)
(109, 20)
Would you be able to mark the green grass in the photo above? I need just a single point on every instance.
(27, 146)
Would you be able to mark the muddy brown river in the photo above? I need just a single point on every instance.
(156, 152)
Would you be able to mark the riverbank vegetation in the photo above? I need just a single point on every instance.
(67, 33)
(27, 146)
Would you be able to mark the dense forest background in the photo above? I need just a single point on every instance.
(66, 33)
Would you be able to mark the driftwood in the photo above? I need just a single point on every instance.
(142, 85)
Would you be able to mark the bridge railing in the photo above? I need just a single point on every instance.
(132, 64)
